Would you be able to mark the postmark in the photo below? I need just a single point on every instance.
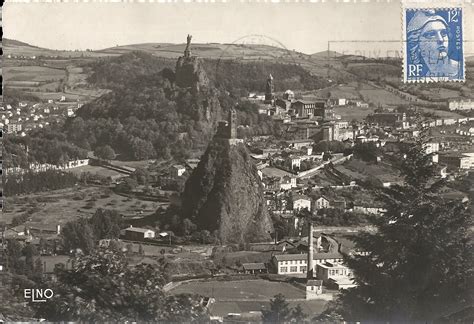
(433, 44)
(254, 48)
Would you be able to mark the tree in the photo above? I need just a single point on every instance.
(30, 252)
(297, 315)
(105, 152)
(419, 260)
(78, 235)
(106, 224)
(14, 255)
(366, 151)
(103, 287)
(279, 311)
(184, 308)
(141, 175)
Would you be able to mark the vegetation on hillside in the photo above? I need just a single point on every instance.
(31, 182)
(243, 77)
(103, 287)
(419, 261)
(121, 71)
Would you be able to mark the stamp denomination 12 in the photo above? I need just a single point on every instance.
(433, 47)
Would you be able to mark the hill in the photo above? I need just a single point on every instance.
(235, 76)
(14, 48)
(326, 54)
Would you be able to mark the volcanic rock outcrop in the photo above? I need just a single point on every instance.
(225, 193)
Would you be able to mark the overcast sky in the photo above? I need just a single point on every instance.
(305, 27)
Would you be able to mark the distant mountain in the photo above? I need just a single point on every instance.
(243, 52)
(14, 48)
(13, 42)
(326, 54)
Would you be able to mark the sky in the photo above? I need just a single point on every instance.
(304, 27)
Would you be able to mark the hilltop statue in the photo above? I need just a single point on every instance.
(187, 51)
(189, 71)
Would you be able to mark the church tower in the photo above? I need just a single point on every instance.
(232, 124)
(269, 96)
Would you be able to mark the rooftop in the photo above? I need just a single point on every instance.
(254, 266)
(314, 283)
(304, 256)
(138, 229)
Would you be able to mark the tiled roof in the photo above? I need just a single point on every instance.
(254, 266)
(314, 283)
(304, 256)
(137, 229)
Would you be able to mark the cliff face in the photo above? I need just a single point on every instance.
(197, 98)
(190, 73)
(224, 193)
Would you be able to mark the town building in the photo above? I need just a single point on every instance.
(296, 264)
(314, 288)
(287, 182)
(13, 127)
(321, 202)
(177, 170)
(305, 108)
(299, 144)
(457, 160)
(301, 202)
(255, 268)
(138, 234)
(386, 118)
(467, 104)
(364, 208)
(335, 274)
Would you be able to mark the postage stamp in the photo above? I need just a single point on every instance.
(433, 44)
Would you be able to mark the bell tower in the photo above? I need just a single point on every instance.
(269, 88)
(232, 124)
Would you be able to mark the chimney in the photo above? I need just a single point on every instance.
(310, 270)
(58, 229)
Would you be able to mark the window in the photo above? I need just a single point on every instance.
(293, 269)
(303, 269)
(284, 269)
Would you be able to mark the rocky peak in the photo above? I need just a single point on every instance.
(225, 193)
(190, 72)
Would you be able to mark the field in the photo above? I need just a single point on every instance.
(60, 206)
(241, 290)
(441, 113)
(32, 73)
(248, 295)
(97, 170)
(382, 97)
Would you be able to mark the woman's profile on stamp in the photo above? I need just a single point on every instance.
(430, 53)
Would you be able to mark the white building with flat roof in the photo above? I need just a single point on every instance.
(296, 264)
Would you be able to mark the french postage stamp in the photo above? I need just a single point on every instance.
(433, 44)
